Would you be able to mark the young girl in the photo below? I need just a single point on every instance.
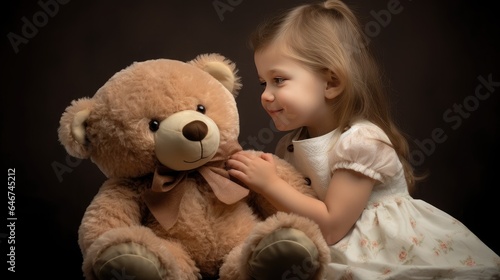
(321, 83)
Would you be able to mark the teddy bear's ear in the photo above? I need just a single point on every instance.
(221, 68)
(72, 127)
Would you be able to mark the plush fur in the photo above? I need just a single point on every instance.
(167, 209)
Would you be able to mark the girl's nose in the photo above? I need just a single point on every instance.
(267, 96)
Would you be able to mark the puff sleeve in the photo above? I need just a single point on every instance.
(365, 148)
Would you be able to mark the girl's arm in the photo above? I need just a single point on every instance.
(345, 200)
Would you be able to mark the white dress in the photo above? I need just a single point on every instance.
(397, 236)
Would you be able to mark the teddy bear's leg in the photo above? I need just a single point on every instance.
(137, 253)
(285, 246)
(128, 260)
(230, 269)
(283, 254)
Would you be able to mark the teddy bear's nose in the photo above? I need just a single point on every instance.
(195, 130)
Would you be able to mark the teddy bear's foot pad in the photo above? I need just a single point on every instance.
(127, 261)
(286, 253)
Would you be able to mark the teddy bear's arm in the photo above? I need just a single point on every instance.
(115, 205)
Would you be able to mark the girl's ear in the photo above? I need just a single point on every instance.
(334, 86)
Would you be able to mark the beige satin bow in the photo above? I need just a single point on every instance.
(164, 197)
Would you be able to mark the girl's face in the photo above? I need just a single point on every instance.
(293, 96)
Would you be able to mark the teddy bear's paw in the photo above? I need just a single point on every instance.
(285, 253)
(230, 268)
(128, 261)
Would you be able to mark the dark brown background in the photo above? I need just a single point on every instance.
(432, 51)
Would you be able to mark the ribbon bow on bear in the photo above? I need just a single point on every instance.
(164, 197)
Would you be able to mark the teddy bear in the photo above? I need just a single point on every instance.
(161, 130)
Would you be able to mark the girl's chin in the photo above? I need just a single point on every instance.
(283, 126)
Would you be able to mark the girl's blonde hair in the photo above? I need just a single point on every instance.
(327, 38)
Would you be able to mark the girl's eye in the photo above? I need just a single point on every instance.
(276, 81)
(279, 80)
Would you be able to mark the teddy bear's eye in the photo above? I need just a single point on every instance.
(154, 125)
(200, 108)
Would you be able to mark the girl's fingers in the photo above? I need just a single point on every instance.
(242, 157)
(236, 164)
(267, 156)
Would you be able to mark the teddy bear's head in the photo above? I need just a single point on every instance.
(156, 112)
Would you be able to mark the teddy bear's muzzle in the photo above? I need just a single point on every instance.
(186, 140)
(195, 131)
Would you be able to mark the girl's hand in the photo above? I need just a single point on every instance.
(257, 171)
